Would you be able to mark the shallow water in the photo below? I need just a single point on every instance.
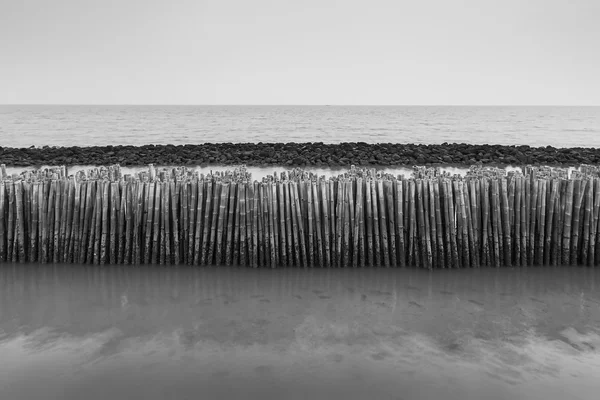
(72, 332)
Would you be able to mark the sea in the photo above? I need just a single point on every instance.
(97, 125)
(79, 331)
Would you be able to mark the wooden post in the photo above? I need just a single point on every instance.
(383, 224)
(272, 224)
(200, 219)
(327, 217)
(507, 224)
(566, 240)
(389, 193)
(440, 248)
(149, 212)
(318, 224)
(3, 247)
(369, 225)
(376, 232)
(594, 223)
(399, 210)
(20, 221)
(285, 245)
(298, 218)
(588, 201)
(255, 196)
(580, 186)
(242, 224)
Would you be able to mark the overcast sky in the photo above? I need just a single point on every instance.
(300, 52)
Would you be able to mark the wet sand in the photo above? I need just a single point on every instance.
(75, 332)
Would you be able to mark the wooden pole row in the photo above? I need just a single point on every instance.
(362, 218)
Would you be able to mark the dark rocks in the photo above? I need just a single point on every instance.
(299, 154)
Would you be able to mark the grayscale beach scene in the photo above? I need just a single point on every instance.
(314, 200)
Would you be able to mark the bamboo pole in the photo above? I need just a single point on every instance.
(413, 246)
(356, 237)
(3, 247)
(524, 188)
(104, 238)
(516, 185)
(35, 221)
(298, 218)
(383, 224)
(550, 228)
(426, 234)
(441, 263)
(291, 200)
(57, 220)
(507, 223)
(377, 246)
(399, 210)
(73, 221)
(473, 259)
(114, 210)
(331, 185)
(200, 219)
(27, 220)
(594, 223)
(347, 223)
(318, 224)
(580, 186)
(237, 226)
(184, 225)
(229, 247)
(369, 224)
(284, 245)
(20, 222)
(496, 222)
(193, 216)
(149, 189)
(10, 234)
(139, 223)
(255, 195)
(221, 221)
(326, 223)
(389, 193)
(87, 227)
(65, 219)
(165, 230)
(511, 218)
(447, 226)
(566, 240)
(214, 238)
(272, 224)
(207, 222)
(556, 237)
(129, 221)
(243, 224)
(464, 224)
(588, 200)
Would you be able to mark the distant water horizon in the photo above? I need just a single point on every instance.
(101, 125)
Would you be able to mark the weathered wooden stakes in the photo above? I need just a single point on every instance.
(362, 218)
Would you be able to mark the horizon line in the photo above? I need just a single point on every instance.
(300, 105)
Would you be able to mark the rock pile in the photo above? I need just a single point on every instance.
(300, 154)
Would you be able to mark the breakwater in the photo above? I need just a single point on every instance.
(542, 216)
(300, 155)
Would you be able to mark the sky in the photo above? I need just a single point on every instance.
(346, 52)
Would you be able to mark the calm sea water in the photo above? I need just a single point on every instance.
(24, 126)
(89, 332)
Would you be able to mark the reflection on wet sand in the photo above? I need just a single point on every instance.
(70, 332)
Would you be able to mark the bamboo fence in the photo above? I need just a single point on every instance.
(361, 218)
